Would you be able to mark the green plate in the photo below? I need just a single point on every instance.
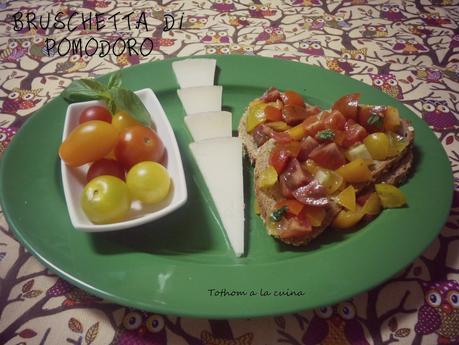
(182, 264)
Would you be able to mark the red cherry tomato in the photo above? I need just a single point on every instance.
(96, 112)
(328, 156)
(348, 105)
(292, 98)
(137, 144)
(105, 166)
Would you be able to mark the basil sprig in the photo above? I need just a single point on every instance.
(326, 134)
(375, 119)
(277, 214)
(113, 95)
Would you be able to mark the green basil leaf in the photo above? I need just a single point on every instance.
(326, 134)
(115, 80)
(374, 119)
(128, 101)
(83, 90)
(277, 215)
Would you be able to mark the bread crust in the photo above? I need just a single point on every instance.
(250, 147)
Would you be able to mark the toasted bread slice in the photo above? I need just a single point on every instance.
(267, 198)
(250, 147)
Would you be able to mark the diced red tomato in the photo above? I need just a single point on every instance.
(282, 153)
(271, 95)
(296, 229)
(313, 194)
(328, 156)
(307, 145)
(364, 113)
(293, 114)
(348, 105)
(334, 120)
(312, 109)
(354, 133)
(293, 177)
(259, 135)
(280, 137)
(273, 114)
(294, 207)
(292, 98)
(313, 124)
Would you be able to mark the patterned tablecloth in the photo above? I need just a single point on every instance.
(408, 49)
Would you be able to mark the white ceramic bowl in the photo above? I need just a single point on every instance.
(74, 179)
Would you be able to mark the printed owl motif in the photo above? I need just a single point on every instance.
(194, 22)
(140, 328)
(419, 30)
(311, 47)
(157, 12)
(355, 2)
(388, 84)
(38, 48)
(335, 325)
(209, 339)
(72, 294)
(434, 19)
(392, 13)
(430, 75)
(409, 46)
(215, 37)
(340, 65)
(15, 49)
(440, 312)
(92, 4)
(438, 115)
(20, 99)
(260, 11)
(355, 54)
(239, 49)
(223, 5)
(304, 2)
(454, 43)
(74, 63)
(335, 22)
(271, 34)
(238, 21)
(314, 23)
(372, 31)
(6, 134)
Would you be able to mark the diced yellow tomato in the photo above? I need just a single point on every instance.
(355, 171)
(359, 151)
(297, 132)
(391, 119)
(268, 177)
(315, 215)
(390, 195)
(311, 166)
(372, 206)
(347, 219)
(293, 206)
(378, 145)
(347, 198)
(396, 144)
(329, 179)
(256, 114)
(278, 125)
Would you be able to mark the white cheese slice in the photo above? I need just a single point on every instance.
(201, 99)
(213, 124)
(220, 163)
(194, 72)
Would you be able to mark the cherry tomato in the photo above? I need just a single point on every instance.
(312, 125)
(378, 145)
(95, 112)
(281, 154)
(293, 114)
(334, 120)
(122, 120)
(88, 142)
(273, 113)
(105, 166)
(137, 144)
(148, 182)
(348, 105)
(105, 199)
(292, 98)
(328, 156)
(354, 133)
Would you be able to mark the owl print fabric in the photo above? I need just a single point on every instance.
(407, 49)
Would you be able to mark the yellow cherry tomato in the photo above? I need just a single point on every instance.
(378, 145)
(148, 182)
(397, 144)
(256, 114)
(355, 171)
(268, 177)
(329, 179)
(347, 219)
(347, 198)
(391, 119)
(372, 206)
(390, 195)
(122, 120)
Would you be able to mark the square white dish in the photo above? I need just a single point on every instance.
(74, 179)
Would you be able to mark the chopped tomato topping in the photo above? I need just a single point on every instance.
(313, 124)
(313, 194)
(281, 154)
(334, 120)
(354, 133)
(273, 114)
(307, 145)
(348, 105)
(271, 95)
(328, 156)
(259, 135)
(293, 114)
(280, 137)
(293, 177)
(296, 229)
(294, 207)
(292, 98)
(372, 117)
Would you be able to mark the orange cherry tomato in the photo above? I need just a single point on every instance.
(137, 144)
(292, 98)
(348, 105)
(122, 120)
(273, 114)
(88, 142)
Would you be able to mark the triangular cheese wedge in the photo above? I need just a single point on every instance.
(220, 163)
(194, 72)
(201, 99)
(213, 124)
